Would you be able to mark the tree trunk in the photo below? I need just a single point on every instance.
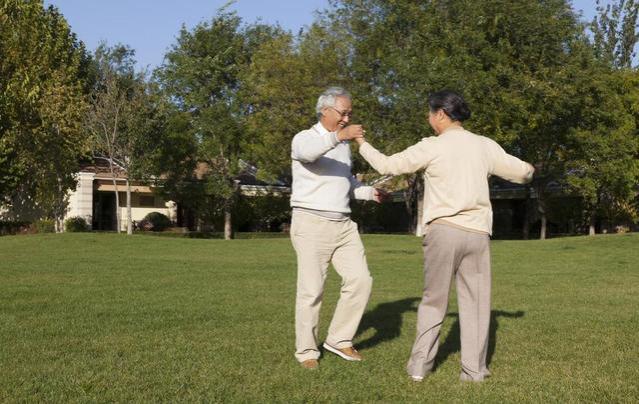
(129, 216)
(419, 230)
(118, 218)
(542, 233)
(118, 215)
(60, 208)
(414, 201)
(591, 227)
(59, 225)
(526, 227)
(541, 208)
(409, 203)
(59, 222)
(228, 223)
(228, 208)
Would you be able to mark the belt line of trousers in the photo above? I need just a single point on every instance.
(318, 242)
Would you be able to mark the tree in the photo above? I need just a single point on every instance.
(280, 89)
(202, 75)
(602, 160)
(44, 74)
(506, 57)
(120, 119)
(602, 163)
(615, 33)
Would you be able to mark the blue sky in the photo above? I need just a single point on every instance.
(151, 26)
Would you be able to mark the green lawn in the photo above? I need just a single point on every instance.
(103, 317)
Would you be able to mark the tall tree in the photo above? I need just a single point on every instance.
(506, 57)
(604, 160)
(615, 32)
(44, 74)
(120, 119)
(280, 89)
(603, 167)
(202, 75)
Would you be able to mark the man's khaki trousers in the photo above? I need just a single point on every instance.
(448, 252)
(318, 242)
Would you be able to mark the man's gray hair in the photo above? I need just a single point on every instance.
(327, 99)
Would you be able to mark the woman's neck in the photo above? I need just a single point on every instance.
(449, 125)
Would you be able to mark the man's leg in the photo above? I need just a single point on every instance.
(440, 252)
(349, 260)
(313, 257)
(473, 298)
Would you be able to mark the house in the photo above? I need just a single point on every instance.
(94, 198)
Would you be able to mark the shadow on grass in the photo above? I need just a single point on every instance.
(386, 320)
(452, 342)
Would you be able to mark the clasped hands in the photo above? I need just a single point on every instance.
(356, 133)
(352, 132)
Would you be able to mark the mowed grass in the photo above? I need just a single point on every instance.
(103, 317)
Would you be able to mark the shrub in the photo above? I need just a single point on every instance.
(155, 221)
(265, 213)
(11, 227)
(76, 224)
(44, 226)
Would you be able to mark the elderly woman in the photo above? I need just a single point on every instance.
(457, 227)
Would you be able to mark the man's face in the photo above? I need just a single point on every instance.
(337, 117)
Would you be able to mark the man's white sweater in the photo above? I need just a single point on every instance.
(322, 177)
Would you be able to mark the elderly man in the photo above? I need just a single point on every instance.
(322, 231)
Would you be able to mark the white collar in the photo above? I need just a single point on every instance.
(319, 128)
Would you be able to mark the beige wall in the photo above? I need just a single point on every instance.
(81, 200)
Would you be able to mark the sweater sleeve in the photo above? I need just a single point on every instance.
(361, 191)
(410, 160)
(508, 167)
(308, 146)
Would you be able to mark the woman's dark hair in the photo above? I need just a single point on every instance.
(451, 103)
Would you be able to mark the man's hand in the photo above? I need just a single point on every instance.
(379, 195)
(351, 132)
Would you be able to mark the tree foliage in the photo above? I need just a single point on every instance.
(203, 76)
(231, 95)
(280, 89)
(122, 119)
(512, 60)
(615, 32)
(522, 66)
(44, 75)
